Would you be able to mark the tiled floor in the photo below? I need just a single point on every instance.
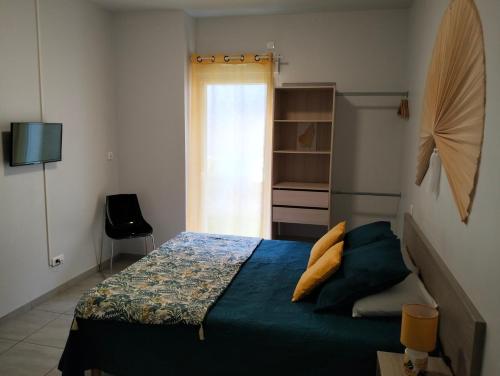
(31, 343)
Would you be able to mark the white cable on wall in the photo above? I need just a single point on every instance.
(40, 95)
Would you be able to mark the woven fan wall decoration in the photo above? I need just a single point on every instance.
(454, 102)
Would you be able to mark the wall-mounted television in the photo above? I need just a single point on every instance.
(33, 143)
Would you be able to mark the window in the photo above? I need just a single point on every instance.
(228, 151)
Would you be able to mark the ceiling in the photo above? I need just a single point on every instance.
(208, 8)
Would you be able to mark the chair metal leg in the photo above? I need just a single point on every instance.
(111, 259)
(100, 257)
(102, 238)
(153, 241)
(145, 246)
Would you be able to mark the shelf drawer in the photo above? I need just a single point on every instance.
(298, 215)
(300, 198)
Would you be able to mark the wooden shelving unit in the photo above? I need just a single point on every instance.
(303, 133)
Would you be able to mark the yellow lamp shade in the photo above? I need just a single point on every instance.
(419, 327)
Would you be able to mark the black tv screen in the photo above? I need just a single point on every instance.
(33, 143)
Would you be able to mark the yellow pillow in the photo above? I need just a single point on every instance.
(322, 269)
(333, 236)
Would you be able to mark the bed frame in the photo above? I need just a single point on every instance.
(461, 328)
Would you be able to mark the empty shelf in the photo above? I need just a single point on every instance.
(301, 186)
(321, 152)
(323, 121)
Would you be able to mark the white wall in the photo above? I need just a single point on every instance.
(22, 220)
(470, 250)
(363, 51)
(151, 57)
(78, 91)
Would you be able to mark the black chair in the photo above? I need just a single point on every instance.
(124, 220)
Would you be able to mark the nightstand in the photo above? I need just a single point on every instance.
(391, 364)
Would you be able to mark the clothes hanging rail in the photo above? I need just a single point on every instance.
(376, 194)
(372, 93)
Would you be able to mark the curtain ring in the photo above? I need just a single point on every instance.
(257, 57)
(226, 59)
(199, 59)
(242, 57)
(212, 59)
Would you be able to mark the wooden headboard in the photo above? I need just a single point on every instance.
(461, 328)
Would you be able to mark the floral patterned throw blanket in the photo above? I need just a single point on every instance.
(176, 284)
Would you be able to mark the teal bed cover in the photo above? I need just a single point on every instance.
(252, 329)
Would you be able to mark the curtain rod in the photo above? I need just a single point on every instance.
(379, 194)
(228, 58)
(372, 93)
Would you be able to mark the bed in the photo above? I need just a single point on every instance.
(251, 328)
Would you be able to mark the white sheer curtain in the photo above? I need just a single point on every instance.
(229, 150)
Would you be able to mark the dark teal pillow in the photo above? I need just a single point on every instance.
(365, 270)
(367, 234)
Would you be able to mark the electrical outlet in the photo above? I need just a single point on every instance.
(110, 156)
(57, 260)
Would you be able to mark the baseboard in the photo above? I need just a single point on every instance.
(73, 281)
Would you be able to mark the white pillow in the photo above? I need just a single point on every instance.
(390, 302)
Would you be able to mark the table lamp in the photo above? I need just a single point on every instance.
(418, 333)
